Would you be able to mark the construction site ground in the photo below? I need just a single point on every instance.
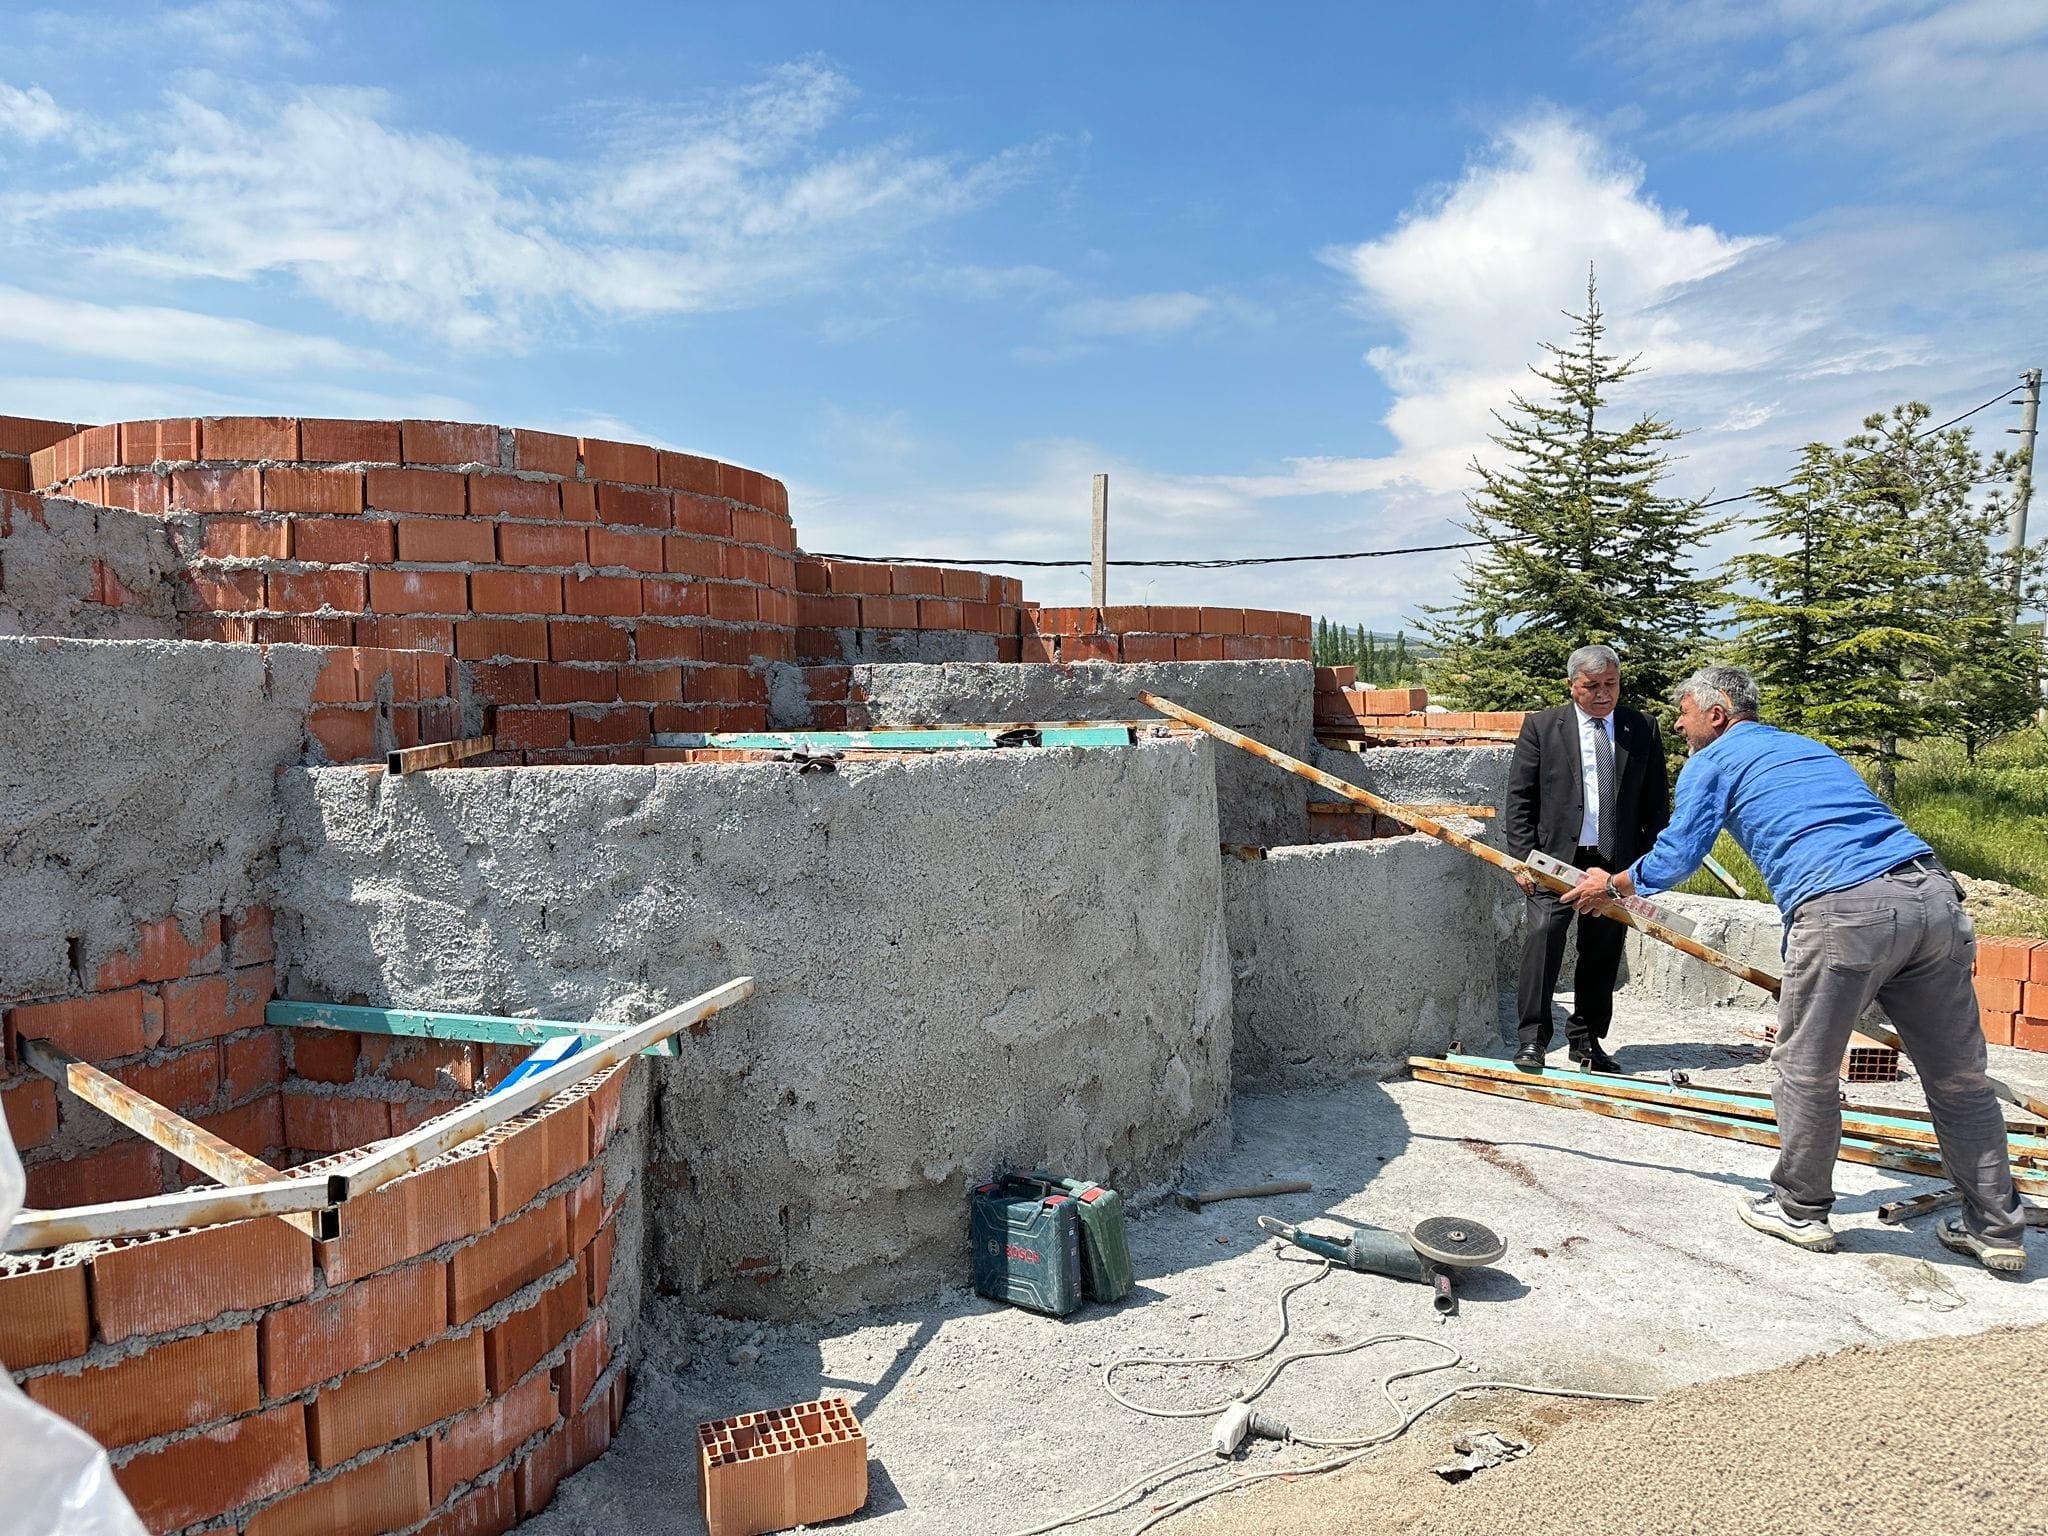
(1626, 1271)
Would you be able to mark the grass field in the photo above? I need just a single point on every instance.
(1988, 819)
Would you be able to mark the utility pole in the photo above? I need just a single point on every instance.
(1100, 594)
(2016, 542)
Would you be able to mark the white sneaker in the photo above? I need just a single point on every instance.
(1766, 1215)
(2006, 1258)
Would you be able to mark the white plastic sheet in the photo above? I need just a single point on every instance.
(54, 1478)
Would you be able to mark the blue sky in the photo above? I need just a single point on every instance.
(934, 265)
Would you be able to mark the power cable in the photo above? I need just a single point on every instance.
(1356, 554)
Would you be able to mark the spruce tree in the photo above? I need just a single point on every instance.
(1581, 543)
(1881, 613)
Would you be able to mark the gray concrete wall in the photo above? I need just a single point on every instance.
(1750, 931)
(1349, 957)
(1272, 700)
(965, 962)
(49, 584)
(136, 783)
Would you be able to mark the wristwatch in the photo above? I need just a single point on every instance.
(1613, 890)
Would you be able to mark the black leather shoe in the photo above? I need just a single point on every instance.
(1590, 1058)
(1529, 1059)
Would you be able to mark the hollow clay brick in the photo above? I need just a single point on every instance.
(509, 496)
(248, 437)
(323, 441)
(515, 592)
(519, 1343)
(612, 728)
(174, 1385)
(185, 1082)
(327, 492)
(1998, 994)
(635, 508)
(711, 519)
(256, 1127)
(540, 544)
(528, 730)
(548, 453)
(442, 1202)
(153, 1285)
(790, 1466)
(387, 1493)
(396, 1398)
(512, 639)
(246, 538)
(311, 1341)
(626, 549)
(312, 591)
(667, 599)
(579, 501)
(560, 683)
(2004, 959)
(147, 442)
(587, 640)
(94, 1028)
(344, 540)
(576, 1377)
(541, 1471)
(512, 1254)
(689, 555)
(321, 1122)
(431, 539)
(479, 1441)
(447, 442)
(43, 1312)
(627, 463)
(687, 472)
(217, 1470)
(651, 685)
(325, 1055)
(30, 1110)
(430, 492)
(602, 596)
(535, 1151)
(597, 1268)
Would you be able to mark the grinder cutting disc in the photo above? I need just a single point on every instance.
(1455, 1242)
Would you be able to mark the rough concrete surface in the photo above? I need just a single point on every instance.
(136, 783)
(1749, 931)
(1349, 957)
(1626, 1271)
(1272, 700)
(54, 566)
(965, 961)
(926, 647)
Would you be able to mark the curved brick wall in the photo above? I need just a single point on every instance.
(448, 1356)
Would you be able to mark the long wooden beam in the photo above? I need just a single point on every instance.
(1860, 1121)
(1493, 856)
(388, 1160)
(191, 1144)
(436, 754)
(1475, 812)
(1728, 1127)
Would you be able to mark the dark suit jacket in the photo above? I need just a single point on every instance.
(1546, 788)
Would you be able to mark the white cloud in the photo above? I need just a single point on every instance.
(31, 115)
(152, 336)
(237, 28)
(736, 206)
(1138, 314)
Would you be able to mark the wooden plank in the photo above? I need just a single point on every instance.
(476, 1028)
(399, 1156)
(1728, 1127)
(436, 754)
(193, 1145)
(1735, 886)
(1870, 1125)
(165, 1213)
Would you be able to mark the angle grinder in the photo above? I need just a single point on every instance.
(1427, 1252)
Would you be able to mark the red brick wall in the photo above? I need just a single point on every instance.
(446, 1356)
(2012, 991)
(1158, 632)
(835, 596)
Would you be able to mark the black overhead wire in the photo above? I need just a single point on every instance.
(2004, 395)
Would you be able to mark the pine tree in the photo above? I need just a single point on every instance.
(1581, 544)
(1881, 614)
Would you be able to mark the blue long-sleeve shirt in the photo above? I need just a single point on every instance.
(1803, 815)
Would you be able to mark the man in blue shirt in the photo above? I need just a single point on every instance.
(1871, 917)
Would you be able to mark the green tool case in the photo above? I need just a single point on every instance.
(1027, 1244)
(1105, 1251)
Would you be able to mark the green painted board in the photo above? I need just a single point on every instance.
(936, 740)
(477, 1028)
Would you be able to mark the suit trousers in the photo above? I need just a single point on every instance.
(1600, 941)
(1901, 941)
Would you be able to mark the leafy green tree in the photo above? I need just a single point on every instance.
(1881, 612)
(1582, 543)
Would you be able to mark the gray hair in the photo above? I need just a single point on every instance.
(1730, 688)
(1590, 658)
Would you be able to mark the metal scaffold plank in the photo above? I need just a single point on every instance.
(474, 1028)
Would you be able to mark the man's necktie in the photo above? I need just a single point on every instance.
(1603, 767)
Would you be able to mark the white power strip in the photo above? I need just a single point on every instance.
(1557, 869)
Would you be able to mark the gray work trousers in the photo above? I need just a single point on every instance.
(1901, 941)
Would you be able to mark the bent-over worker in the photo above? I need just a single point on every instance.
(1871, 917)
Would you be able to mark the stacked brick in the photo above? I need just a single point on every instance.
(836, 599)
(597, 591)
(445, 1360)
(1138, 633)
(1400, 716)
(20, 438)
(179, 1017)
(2012, 992)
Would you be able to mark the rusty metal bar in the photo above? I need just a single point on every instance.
(1895, 1212)
(1853, 1149)
(378, 1166)
(436, 754)
(164, 1213)
(191, 1144)
(1456, 839)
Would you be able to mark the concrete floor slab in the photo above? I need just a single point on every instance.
(1626, 1271)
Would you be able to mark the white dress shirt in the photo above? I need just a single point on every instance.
(1589, 774)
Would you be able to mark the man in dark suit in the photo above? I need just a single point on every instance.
(1587, 786)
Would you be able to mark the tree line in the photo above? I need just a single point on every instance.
(1870, 600)
(1379, 663)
